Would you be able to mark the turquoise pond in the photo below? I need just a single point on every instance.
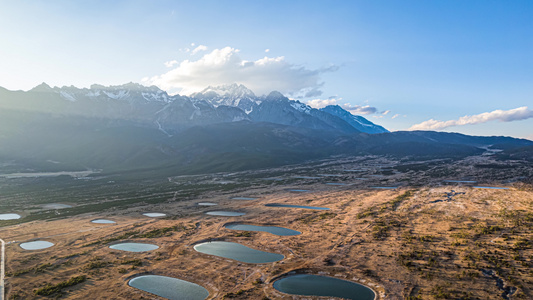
(314, 285)
(103, 221)
(225, 213)
(206, 204)
(169, 287)
(270, 229)
(134, 247)
(296, 206)
(36, 245)
(4, 217)
(490, 187)
(243, 198)
(154, 215)
(298, 191)
(460, 181)
(237, 252)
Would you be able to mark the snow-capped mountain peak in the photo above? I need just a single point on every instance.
(233, 90)
(236, 95)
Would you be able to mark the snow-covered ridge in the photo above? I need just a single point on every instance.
(157, 96)
(68, 96)
(225, 103)
(117, 95)
(227, 90)
(301, 107)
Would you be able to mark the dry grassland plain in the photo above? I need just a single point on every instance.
(411, 242)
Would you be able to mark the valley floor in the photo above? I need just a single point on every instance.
(417, 241)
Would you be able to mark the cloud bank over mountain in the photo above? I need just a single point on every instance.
(225, 66)
(354, 109)
(517, 114)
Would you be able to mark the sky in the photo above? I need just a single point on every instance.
(455, 66)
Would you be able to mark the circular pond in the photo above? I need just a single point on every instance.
(36, 245)
(103, 221)
(237, 252)
(270, 229)
(154, 215)
(169, 287)
(134, 247)
(225, 213)
(4, 217)
(314, 285)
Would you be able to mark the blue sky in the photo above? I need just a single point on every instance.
(459, 66)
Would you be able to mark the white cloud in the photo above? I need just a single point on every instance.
(267, 50)
(198, 49)
(320, 103)
(516, 114)
(354, 109)
(225, 66)
(360, 110)
(395, 116)
(171, 63)
(385, 112)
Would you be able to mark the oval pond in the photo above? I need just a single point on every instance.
(460, 181)
(490, 187)
(169, 287)
(243, 198)
(4, 217)
(315, 285)
(299, 191)
(103, 221)
(36, 245)
(270, 229)
(134, 247)
(237, 252)
(154, 215)
(225, 213)
(207, 204)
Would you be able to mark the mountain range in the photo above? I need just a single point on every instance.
(153, 107)
(223, 128)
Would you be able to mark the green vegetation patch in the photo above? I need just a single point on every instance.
(51, 289)
(317, 217)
